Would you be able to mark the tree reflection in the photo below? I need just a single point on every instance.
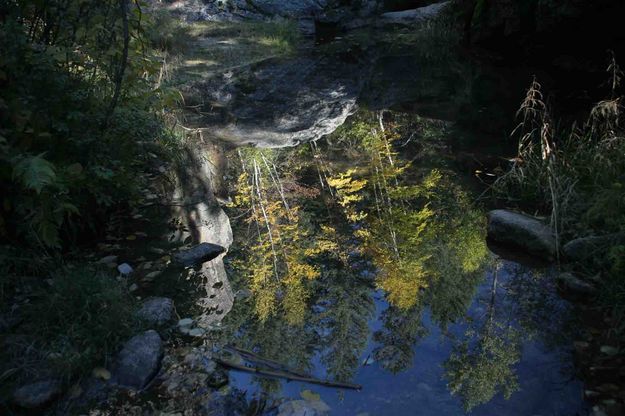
(316, 225)
(482, 365)
(345, 307)
(402, 329)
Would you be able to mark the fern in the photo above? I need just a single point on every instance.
(34, 172)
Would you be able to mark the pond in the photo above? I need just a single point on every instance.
(362, 257)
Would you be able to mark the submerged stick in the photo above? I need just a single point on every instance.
(253, 358)
(285, 375)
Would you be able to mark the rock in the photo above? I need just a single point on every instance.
(522, 231)
(198, 254)
(197, 332)
(124, 269)
(219, 298)
(570, 283)
(108, 260)
(303, 408)
(591, 248)
(609, 350)
(38, 394)
(280, 102)
(291, 8)
(156, 311)
(152, 275)
(217, 378)
(198, 181)
(185, 322)
(408, 17)
(139, 360)
(101, 373)
(226, 404)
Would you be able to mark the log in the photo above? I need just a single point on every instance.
(285, 375)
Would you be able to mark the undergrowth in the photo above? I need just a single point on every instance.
(71, 324)
(575, 175)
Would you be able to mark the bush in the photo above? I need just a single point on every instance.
(78, 109)
(79, 320)
(576, 175)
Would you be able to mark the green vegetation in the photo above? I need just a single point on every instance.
(71, 325)
(77, 129)
(82, 117)
(80, 319)
(199, 50)
(576, 176)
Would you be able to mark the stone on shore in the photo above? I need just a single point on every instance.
(522, 231)
(198, 254)
(37, 394)
(156, 311)
(139, 360)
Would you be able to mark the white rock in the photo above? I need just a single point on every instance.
(124, 269)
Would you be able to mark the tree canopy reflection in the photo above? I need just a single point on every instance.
(322, 227)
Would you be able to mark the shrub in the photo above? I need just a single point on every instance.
(80, 320)
(576, 175)
(78, 106)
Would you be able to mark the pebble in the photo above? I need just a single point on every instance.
(108, 259)
(185, 322)
(197, 332)
(124, 269)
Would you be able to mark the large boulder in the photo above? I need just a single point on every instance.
(139, 360)
(279, 102)
(38, 394)
(522, 231)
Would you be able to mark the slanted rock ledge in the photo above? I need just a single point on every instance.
(522, 231)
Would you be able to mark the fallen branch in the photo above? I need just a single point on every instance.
(253, 358)
(285, 375)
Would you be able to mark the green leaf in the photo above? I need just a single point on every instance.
(34, 172)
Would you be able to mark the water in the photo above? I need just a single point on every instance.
(378, 273)
(362, 258)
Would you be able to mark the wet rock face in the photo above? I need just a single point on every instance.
(38, 394)
(139, 360)
(198, 254)
(521, 231)
(280, 103)
(156, 311)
